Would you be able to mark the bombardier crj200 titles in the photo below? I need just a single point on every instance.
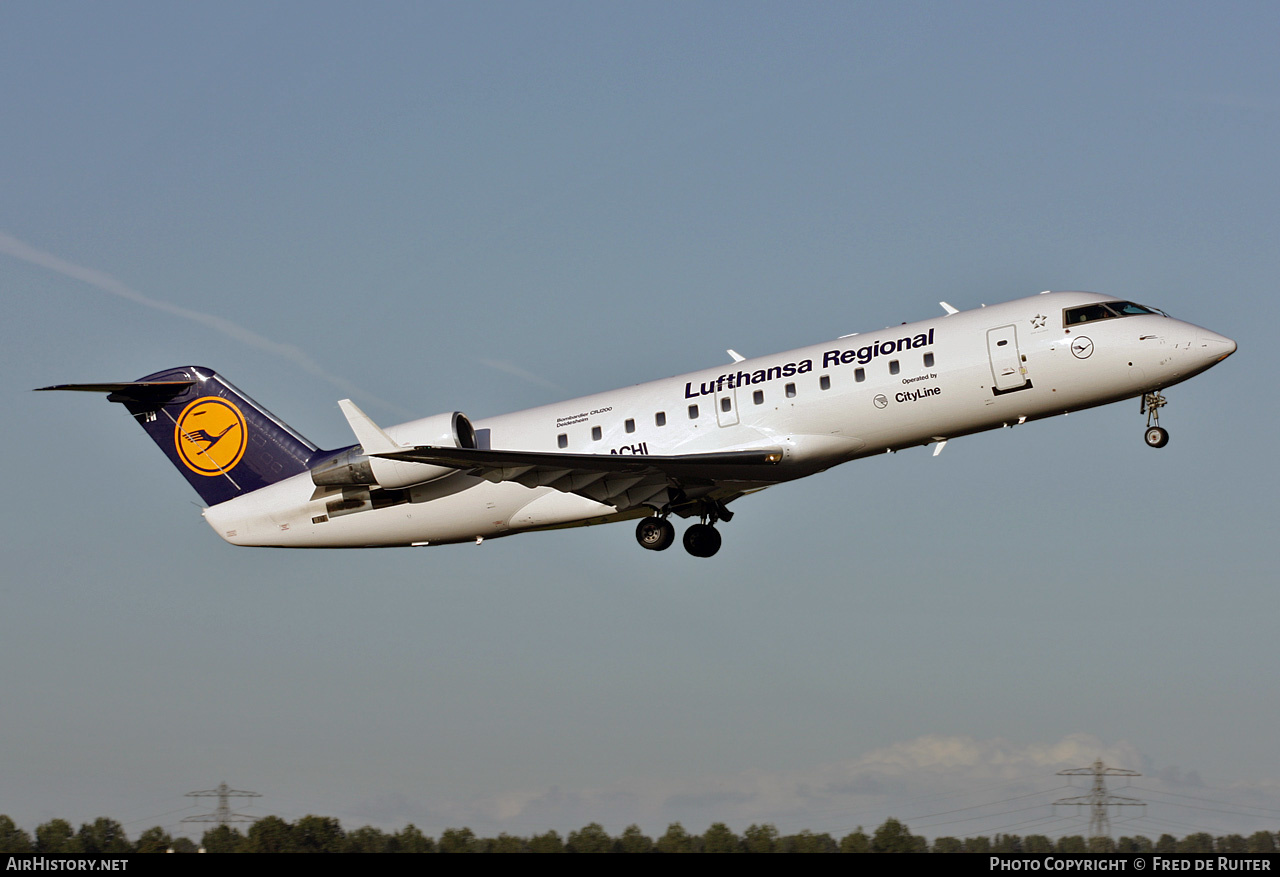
(688, 445)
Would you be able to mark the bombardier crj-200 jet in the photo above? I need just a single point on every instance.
(687, 446)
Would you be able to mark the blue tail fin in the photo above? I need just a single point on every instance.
(220, 439)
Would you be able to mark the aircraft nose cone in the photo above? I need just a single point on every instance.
(1216, 346)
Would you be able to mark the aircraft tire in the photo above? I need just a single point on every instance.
(1157, 437)
(702, 540)
(655, 534)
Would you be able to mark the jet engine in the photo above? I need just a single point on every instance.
(352, 467)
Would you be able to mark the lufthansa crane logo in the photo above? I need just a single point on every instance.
(1081, 348)
(210, 436)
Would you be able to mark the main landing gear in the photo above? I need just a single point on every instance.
(701, 539)
(1156, 436)
(656, 534)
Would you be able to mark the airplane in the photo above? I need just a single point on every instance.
(685, 446)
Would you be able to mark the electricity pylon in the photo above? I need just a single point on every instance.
(1098, 799)
(223, 815)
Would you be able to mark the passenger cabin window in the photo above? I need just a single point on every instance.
(1109, 310)
(562, 440)
(660, 419)
(758, 397)
(596, 433)
(859, 374)
(693, 412)
(928, 360)
(824, 382)
(726, 404)
(631, 424)
(894, 368)
(791, 391)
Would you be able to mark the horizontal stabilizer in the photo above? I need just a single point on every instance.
(130, 391)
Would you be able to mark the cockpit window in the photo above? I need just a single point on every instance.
(1129, 309)
(1106, 311)
(1087, 314)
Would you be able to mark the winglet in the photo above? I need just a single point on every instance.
(368, 433)
(737, 357)
(948, 308)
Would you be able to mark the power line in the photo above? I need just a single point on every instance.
(987, 804)
(1208, 801)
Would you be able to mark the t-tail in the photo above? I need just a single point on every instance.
(221, 440)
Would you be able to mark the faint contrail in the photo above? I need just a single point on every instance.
(11, 246)
(523, 374)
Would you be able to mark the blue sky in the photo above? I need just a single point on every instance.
(485, 207)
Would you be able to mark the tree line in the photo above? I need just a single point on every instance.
(324, 834)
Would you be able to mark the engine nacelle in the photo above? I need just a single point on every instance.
(354, 467)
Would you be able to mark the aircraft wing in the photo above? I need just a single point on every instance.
(622, 481)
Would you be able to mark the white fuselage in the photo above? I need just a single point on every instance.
(902, 386)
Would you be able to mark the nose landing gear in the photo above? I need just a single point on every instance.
(1156, 436)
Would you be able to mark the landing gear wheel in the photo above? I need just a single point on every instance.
(656, 534)
(1156, 437)
(702, 540)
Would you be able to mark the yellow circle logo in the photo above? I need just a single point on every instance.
(210, 436)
